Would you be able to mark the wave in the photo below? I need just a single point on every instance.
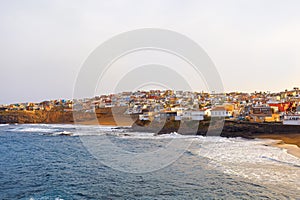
(64, 129)
(46, 197)
(251, 159)
(33, 129)
(150, 136)
(282, 162)
(64, 133)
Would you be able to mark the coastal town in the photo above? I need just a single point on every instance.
(261, 107)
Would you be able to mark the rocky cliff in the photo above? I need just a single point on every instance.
(23, 117)
(107, 116)
(229, 129)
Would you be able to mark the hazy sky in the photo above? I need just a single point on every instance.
(254, 44)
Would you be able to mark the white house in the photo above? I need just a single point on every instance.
(221, 111)
(291, 120)
(190, 115)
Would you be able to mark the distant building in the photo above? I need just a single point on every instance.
(261, 113)
(291, 120)
(146, 116)
(190, 115)
(221, 111)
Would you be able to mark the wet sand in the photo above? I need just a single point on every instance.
(290, 142)
(286, 138)
(291, 149)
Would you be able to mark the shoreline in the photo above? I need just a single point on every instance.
(288, 139)
(288, 142)
(290, 148)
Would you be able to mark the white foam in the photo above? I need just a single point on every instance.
(34, 129)
(62, 129)
(57, 198)
(153, 136)
(251, 159)
(149, 136)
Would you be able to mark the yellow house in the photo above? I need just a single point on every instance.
(274, 118)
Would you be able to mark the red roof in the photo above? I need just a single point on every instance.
(282, 107)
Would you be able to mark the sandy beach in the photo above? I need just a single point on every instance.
(291, 149)
(286, 138)
(290, 142)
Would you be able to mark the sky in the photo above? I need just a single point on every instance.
(254, 44)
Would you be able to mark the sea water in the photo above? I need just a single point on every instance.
(52, 162)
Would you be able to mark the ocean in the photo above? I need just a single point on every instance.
(61, 162)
